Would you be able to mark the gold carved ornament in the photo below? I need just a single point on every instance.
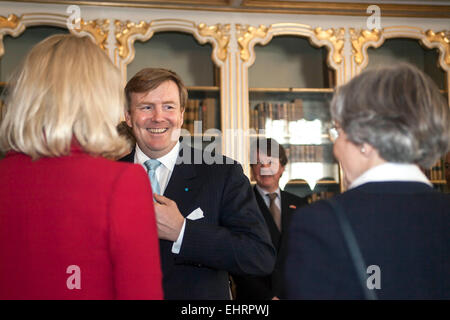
(358, 40)
(246, 34)
(336, 37)
(97, 28)
(442, 37)
(123, 33)
(218, 32)
(11, 22)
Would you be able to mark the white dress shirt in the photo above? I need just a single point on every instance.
(163, 174)
(164, 171)
(391, 172)
(264, 193)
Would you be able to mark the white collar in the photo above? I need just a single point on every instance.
(392, 172)
(264, 192)
(169, 160)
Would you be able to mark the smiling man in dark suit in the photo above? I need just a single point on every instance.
(207, 217)
(267, 165)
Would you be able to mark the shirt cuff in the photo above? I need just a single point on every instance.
(177, 244)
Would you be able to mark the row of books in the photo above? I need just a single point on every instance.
(305, 153)
(203, 110)
(320, 196)
(289, 111)
(436, 172)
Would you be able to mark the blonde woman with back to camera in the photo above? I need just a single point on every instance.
(388, 235)
(74, 224)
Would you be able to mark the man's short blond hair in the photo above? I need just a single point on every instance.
(67, 88)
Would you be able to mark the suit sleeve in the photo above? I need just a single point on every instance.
(241, 242)
(133, 238)
(317, 264)
(253, 288)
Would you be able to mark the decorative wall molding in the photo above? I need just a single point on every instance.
(247, 33)
(359, 39)
(336, 37)
(363, 39)
(127, 33)
(219, 32)
(14, 26)
(97, 29)
(349, 8)
(11, 26)
(443, 38)
(10, 22)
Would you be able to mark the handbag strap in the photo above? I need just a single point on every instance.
(353, 248)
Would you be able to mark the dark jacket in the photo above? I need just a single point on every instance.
(401, 227)
(263, 288)
(232, 236)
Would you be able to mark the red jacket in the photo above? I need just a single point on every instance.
(77, 227)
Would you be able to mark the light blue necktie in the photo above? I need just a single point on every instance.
(151, 165)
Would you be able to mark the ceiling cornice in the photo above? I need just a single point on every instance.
(263, 6)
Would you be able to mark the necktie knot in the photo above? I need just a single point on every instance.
(152, 164)
(272, 196)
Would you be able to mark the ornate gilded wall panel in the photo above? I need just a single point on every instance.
(97, 29)
(10, 25)
(127, 33)
(363, 39)
(439, 39)
(333, 39)
(13, 25)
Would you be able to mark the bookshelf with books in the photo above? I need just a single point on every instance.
(202, 117)
(202, 106)
(436, 174)
(292, 106)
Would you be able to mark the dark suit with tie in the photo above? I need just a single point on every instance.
(232, 236)
(401, 227)
(262, 288)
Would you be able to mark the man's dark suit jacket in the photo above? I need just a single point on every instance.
(232, 236)
(263, 288)
(401, 227)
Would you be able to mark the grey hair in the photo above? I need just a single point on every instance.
(398, 110)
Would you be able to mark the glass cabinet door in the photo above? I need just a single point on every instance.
(17, 48)
(290, 90)
(409, 50)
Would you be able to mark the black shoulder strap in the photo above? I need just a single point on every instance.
(353, 248)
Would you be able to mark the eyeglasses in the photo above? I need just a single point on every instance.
(333, 132)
